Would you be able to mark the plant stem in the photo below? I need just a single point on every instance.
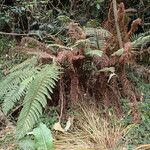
(116, 24)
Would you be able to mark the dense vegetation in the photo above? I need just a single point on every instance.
(74, 75)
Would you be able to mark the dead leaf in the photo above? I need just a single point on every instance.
(110, 76)
(57, 126)
(108, 69)
(69, 123)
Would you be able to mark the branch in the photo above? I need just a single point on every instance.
(116, 24)
(17, 34)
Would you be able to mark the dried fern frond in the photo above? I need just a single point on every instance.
(36, 98)
(76, 32)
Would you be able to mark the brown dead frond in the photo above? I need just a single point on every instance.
(111, 46)
(30, 45)
(76, 32)
(29, 42)
(121, 14)
(134, 27)
(74, 88)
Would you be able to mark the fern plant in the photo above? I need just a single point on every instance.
(32, 85)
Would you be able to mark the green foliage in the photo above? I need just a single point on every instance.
(13, 79)
(97, 36)
(135, 37)
(138, 41)
(93, 23)
(50, 116)
(64, 19)
(29, 63)
(141, 41)
(94, 53)
(5, 44)
(140, 134)
(14, 85)
(4, 19)
(96, 3)
(42, 139)
(36, 98)
(15, 94)
(119, 52)
(26, 144)
(99, 31)
(32, 85)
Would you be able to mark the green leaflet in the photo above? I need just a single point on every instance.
(15, 94)
(92, 53)
(26, 144)
(118, 52)
(29, 63)
(43, 138)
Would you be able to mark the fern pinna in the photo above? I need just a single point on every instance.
(32, 84)
(14, 85)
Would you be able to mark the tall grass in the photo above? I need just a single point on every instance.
(93, 132)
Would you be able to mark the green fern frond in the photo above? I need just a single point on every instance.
(134, 37)
(14, 79)
(13, 96)
(43, 137)
(101, 32)
(36, 98)
(97, 37)
(97, 42)
(92, 53)
(141, 41)
(29, 63)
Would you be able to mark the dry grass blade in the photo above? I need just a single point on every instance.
(73, 141)
(7, 137)
(143, 147)
(92, 132)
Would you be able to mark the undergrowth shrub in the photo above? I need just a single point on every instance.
(140, 134)
(6, 44)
